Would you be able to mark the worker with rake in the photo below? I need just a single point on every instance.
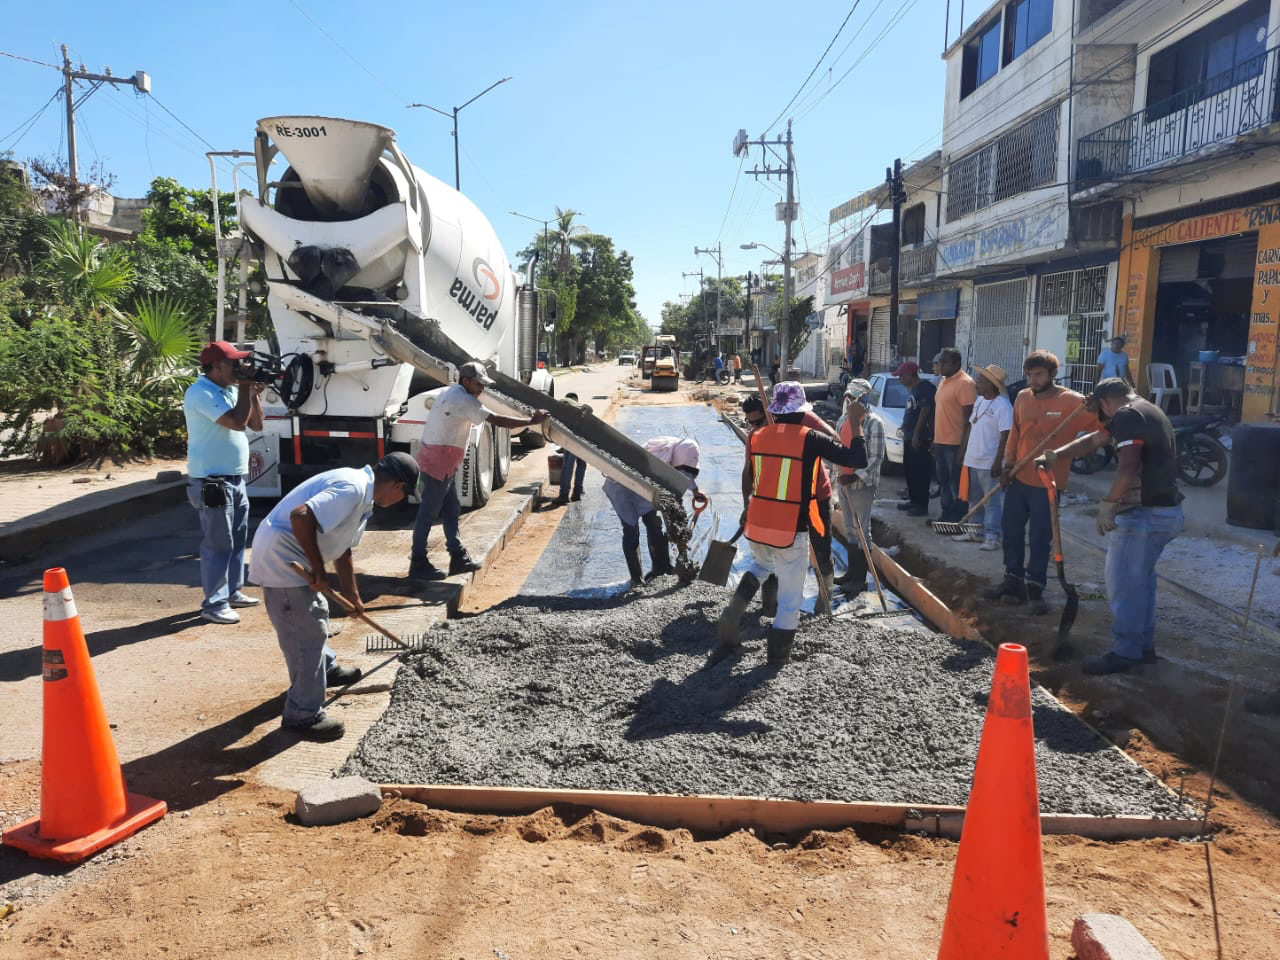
(318, 522)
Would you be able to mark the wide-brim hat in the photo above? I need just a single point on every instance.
(995, 373)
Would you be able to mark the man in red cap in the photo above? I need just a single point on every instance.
(219, 406)
(917, 438)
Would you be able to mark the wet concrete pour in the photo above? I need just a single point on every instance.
(610, 692)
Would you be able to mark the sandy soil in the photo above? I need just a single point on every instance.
(229, 874)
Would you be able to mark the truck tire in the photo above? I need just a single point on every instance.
(474, 478)
(502, 462)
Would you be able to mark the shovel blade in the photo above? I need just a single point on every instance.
(719, 561)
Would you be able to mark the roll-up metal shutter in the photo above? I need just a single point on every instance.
(881, 351)
(1000, 325)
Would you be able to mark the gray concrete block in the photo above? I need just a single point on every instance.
(337, 801)
(1104, 936)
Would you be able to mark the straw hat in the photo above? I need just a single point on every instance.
(993, 372)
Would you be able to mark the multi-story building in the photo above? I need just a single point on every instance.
(846, 306)
(1042, 267)
(1184, 133)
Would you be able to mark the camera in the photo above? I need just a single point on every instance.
(261, 368)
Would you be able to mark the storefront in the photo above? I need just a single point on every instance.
(1202, 295)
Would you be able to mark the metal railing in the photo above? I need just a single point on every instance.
(918, 264)
(1217, 110)
(879, 285)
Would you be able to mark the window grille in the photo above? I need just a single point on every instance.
(1080, 295)
(1022, 159)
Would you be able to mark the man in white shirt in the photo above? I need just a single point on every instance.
(444, 444)
(989, 426)
(319, 521)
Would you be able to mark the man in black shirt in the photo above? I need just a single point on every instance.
(917, 439)
(1142, 511)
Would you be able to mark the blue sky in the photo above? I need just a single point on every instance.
(625, 112)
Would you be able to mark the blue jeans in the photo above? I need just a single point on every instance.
(301, 619)
(980, 480)
(572, 466)
(944, 462)
(1133, 548)
(223, 533)
(1023, 505)
(437, 500)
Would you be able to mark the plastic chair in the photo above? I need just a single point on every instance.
(1163, 384)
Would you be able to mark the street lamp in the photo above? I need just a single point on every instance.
(457, 179)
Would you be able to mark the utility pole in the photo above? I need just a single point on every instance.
(898, 194)
(746, 322)
(457, 175)
(703, 300)
(719, 268)
(140, 81)
(785, 212)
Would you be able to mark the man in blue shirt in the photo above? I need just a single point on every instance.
(1114, 362)
(219, 406)
(317, 522)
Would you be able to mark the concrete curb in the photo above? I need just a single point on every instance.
(94, 512)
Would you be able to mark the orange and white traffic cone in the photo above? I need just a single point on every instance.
(997, 909)
(84, 806)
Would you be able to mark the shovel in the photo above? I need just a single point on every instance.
(719, 561)
(1061, 648)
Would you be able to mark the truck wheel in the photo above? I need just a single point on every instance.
(532, 439)
(474, 478)
(502, 462)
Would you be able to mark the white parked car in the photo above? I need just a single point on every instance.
(626, 359)
(888, 400)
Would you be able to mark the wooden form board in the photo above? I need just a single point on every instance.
(717, 814)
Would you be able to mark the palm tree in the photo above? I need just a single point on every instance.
(89, 273)
(564, 236)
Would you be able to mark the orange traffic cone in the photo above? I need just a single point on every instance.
(83, 803)
(996, 909)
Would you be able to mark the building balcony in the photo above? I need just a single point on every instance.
(917, 266)
(879, 285)
(1184, 127)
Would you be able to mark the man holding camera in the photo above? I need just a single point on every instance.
(219, 406)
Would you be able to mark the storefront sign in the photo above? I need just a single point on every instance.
(939, 305)
(848, 281)
(1006, 240)
(1075, 335)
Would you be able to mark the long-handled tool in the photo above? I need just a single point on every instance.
(719, 560)
(871, 563)
(349, 607)
(813, 557)
(1061, 648)
(962, 525)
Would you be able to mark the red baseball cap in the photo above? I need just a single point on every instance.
(221, 350)
(909, 366)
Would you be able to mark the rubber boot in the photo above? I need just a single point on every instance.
(778, 643)
(1010, 590)
(729, 629)
(1035, 594)
(633, 567)
(827, 586)
(659, 554)
(769, 596)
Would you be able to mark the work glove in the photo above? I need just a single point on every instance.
(1047, 459)
(1107, 511)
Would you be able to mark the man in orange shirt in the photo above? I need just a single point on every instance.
(1037, 412)
(952, 406)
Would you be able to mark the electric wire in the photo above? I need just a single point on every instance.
(26, 125)
(834, 38)
(18, 56)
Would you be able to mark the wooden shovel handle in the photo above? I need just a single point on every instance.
(348, 606)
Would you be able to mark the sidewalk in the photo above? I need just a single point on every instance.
(38, 505)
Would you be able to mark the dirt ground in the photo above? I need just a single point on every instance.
(228, 873)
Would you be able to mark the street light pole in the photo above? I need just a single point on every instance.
(457, 176)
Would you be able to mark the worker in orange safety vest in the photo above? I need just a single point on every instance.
(778, 488)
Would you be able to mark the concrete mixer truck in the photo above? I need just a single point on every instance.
(381, 281)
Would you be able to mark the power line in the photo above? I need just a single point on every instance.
(807, 102)
(736, 177)
(39, 63)
(183, 123)
(26, 125)
(332, 39)
(831, 44)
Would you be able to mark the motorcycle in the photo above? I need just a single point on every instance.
(1203, 446)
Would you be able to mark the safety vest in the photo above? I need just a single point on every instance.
(779, 492)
